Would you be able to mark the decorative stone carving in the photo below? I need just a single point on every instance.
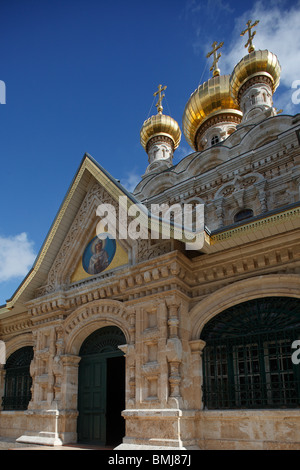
(174, 349)
(96, 195)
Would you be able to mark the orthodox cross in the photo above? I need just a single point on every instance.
(251, 48)
(216, 71)
(160, 97)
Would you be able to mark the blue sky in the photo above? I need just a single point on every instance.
(80, 77)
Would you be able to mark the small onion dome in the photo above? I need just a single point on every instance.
(253, 65)
(160, 125)
(210, 99)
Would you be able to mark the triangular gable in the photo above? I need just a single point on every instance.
(76, 193)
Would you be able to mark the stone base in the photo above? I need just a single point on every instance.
(43, 438)
(125, 446)
(130, 443)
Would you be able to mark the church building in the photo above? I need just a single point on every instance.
(156, 342)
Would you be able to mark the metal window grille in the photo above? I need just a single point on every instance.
(18, 381)
(243, 215)
(247, 358)
(105, 339)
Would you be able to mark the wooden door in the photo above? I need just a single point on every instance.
(92, 399)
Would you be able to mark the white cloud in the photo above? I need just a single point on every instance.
(131, 180)
(16, 256)
(278, 31)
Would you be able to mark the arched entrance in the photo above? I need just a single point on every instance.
(101, 388)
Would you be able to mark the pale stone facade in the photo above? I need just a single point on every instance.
(160, 295)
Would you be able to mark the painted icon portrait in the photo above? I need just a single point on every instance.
(98, 254)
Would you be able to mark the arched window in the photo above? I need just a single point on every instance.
(247, 360)
(243, 215)
(18, 381)
(104, 340)
(215, 140)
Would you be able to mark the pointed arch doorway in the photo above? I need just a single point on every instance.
(101, 388)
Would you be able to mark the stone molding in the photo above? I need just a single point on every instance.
(258, 79)
(84, 320)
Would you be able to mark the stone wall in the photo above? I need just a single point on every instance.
(257, 429)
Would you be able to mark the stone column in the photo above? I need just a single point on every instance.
(2, 383)
(197, 347)
(69, 386)
(129, 373)
(174, 351)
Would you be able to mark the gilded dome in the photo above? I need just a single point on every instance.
(160, 124)
(209, 99)
(255, 64)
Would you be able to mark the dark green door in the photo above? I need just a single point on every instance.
(92, 399)
(101, 388)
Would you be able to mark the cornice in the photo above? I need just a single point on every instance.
(150, 277)
(61, 222)
(260, 224)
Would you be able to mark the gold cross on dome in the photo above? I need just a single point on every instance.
(251, 48)
(160, 97)
(214, 67)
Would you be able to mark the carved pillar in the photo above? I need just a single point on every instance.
(197, 347)
(57, 367)
(132, 383)
(175, 378)
(174, 351)
(2, 383)
(173, 322)
(45, 368)
(69, 386)
(128, 350)
(33, 373)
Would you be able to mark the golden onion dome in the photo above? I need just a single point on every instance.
(158, 125)
(254, 64)
(208, 100)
